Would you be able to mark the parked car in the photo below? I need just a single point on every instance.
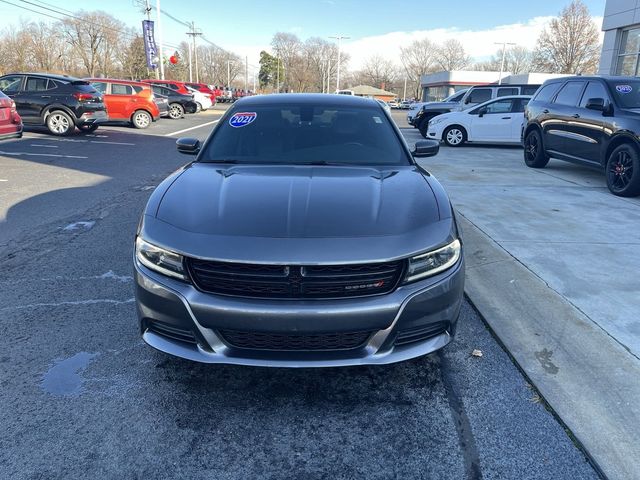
(360, 263)
(203, 102)
(591, 120)
(10, 121)
(127, 101)
(204, 88)
(58, 102)
(393, 104)
(473, 96)
(496, 121)
(450, 102)
(179, 104)
(162, 102)
(405, 105)
(174, 85)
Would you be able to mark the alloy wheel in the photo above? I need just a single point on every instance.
(620, 171)
(455, 136)
(531, 146)
(175, 111)
(141, 120)
(58, 123)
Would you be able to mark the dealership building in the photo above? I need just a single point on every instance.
(621, 45)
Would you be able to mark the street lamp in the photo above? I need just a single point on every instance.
(339, 38)
(504, 46)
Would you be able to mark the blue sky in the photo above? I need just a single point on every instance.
(247, 26)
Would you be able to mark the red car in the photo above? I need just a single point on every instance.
(179, 87)
(127, 101)
(201, 87)
(10, 121)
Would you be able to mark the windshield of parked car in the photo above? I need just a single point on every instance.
(626, 92)
(306, 134)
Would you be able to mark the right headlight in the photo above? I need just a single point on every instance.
(161, 260)
(436, 261)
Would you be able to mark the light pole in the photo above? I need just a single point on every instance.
(339, 38)
(504, 47)
(160, 39)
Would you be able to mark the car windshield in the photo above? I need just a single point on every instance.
(626, 92)
(306, 134)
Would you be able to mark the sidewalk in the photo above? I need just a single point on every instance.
(554, 268)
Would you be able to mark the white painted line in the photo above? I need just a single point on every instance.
(111, 143)
(3, 180)
(43, 146)
(192, 128)
(41, 154)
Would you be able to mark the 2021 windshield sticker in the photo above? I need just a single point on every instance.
(624, 88)
(242, 119)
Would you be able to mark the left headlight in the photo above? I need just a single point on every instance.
(160, 260)
(436, 261)
(435, 121)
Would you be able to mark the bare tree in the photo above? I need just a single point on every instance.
(516, 60)
(419, 58)
(452, 56)
(571, 43)
(379, 72)
(286, 47)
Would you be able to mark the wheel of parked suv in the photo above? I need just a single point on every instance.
(88, 128)
(60, 123)
(454, 136)
(141, 119)
(198, 107)
(176, 111)
(534, 154)
(623, 171)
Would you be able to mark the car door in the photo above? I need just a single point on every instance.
(37, 94)
(517, 119)
(476, 96)
(590, 123)
(491, 122)
(120, 96)
(559, 128)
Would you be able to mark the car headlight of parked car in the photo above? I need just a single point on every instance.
(435, 121)
(160, 260)
(430, 263)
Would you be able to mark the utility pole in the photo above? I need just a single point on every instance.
(229, 74)
(246, 73)
(504, 47)
(158, 21)
(404, 95)
(339, 38)
(278, 74)
(193, 34)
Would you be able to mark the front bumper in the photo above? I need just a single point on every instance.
(418, 307)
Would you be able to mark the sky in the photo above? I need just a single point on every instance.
(374, 26)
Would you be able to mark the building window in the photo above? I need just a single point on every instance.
(629, 52)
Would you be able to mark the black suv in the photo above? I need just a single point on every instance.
(593, 121)
(179, 103)
(60, 103)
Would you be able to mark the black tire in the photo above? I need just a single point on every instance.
(454, 136)
(60, 123)
(176, 111)
(141, 119)
(534, 154)
(623, 171)
(198, 107)
(88, 127)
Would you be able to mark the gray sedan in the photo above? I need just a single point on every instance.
(304, 234)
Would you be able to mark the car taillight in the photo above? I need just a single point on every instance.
(13, 107)
(83, 97)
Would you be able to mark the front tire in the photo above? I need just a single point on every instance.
(141, 119)
(534, 154)
(454, 136)
(60, 123)
(623, 171)
(176, 111)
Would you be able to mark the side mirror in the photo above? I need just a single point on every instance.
(595, 104)
(482, 112)
(188, 146)
(426, 148)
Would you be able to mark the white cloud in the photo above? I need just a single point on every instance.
(480, 44)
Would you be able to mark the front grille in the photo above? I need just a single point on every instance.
(422, 333)
(295, 341)
(172, 332)
(282, 281)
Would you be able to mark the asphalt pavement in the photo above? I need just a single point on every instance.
(82, 396)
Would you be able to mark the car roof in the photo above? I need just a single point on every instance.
(117, 80)
(610, 78)
(315, 99)
(47, 75)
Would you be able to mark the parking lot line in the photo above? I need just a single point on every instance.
(111, 143)
(192, 128)
(43, 146)
(41, 154)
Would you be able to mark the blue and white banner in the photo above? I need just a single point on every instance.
(150, 48)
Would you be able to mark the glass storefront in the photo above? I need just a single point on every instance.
(629, 52)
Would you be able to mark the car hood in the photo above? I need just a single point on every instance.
(308, 214)
(440, 105)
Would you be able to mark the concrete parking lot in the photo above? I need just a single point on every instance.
(83, 396)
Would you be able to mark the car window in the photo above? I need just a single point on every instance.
(456, 97)
(626, 92)
(119, 89)
(504, 91)
(10, 84)
(305, 134)
(100, 86)
(519, 104)
(173, 86)
(137, 88)
(594, 90)
(36, 84)
(529, 89)
(479, 95)
(569, 94)
(546, 93)
(500, 106)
